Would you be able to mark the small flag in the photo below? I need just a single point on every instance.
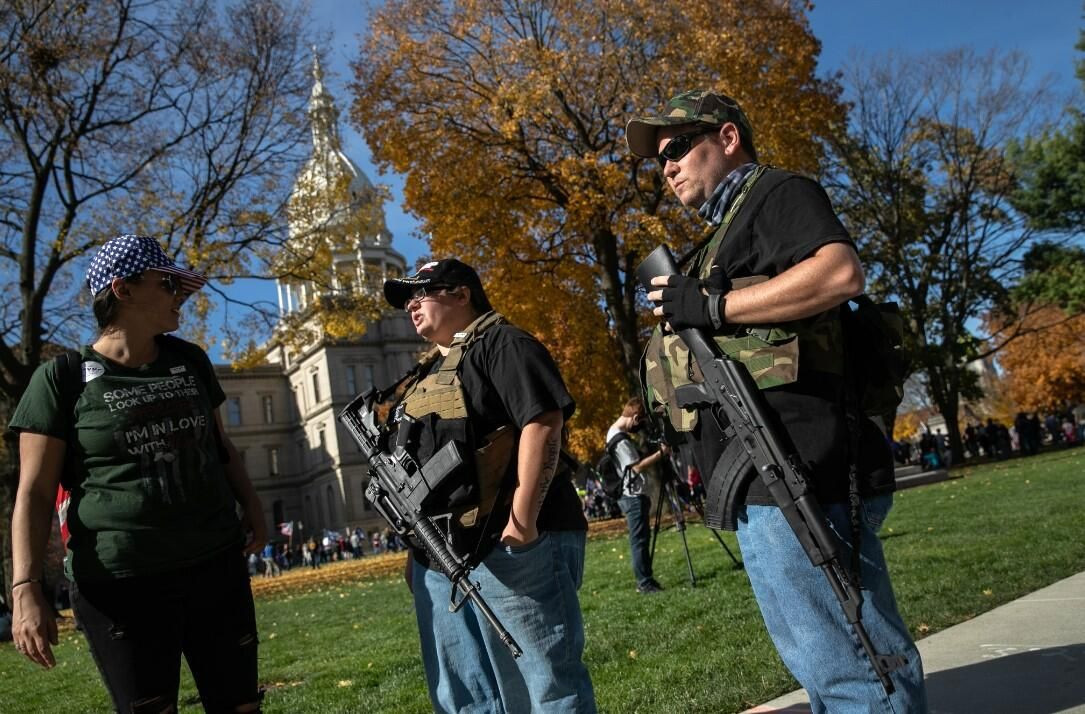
(287, 529)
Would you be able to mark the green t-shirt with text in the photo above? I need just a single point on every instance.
(149, 491)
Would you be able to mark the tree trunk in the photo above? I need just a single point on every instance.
(947, 398)
(620, 299)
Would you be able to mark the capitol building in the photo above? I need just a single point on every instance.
(281, 415)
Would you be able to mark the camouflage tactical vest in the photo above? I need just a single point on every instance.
(441, 393)
(770, 352)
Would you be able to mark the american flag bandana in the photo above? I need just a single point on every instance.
(128, 255)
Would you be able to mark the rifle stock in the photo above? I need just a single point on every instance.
(397, 489)
(729, 388)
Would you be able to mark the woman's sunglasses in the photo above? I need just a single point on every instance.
(171, 284)
(680, 145)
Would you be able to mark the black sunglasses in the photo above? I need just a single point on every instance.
(171, 284)
(680, 145)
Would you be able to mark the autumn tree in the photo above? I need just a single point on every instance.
(1042, 351)
(1045, 368)
(182, 121)
(923, 183)
(508, 119)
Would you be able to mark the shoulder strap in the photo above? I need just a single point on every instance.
(615, 440)
(462, 341)
(69, 372)
(760, 181)
(704, 255)
(69, 368)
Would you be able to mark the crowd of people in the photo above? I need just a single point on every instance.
(315, 551)
(996, 440)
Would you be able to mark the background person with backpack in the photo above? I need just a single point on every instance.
(155, 550)
(631, 467)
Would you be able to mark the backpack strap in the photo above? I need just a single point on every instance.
(612, 445)
(69, 371)
(463, 340)
(69, 375)
(624, 474)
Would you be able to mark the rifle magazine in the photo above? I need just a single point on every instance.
(725, 487)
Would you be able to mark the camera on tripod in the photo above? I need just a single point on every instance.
(676, 490)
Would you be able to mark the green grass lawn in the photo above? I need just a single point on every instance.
(956, 549)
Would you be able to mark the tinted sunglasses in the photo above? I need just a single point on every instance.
(171, 284)
(680, 145)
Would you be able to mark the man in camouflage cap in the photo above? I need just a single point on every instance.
(694, 107)
(767, 282)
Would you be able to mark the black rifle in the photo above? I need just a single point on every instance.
(397, 489)
(729, 390)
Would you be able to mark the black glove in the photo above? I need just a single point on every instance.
(717, 283)
(685, 305)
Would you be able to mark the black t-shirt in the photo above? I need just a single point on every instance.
(509, 379)
(783, 223)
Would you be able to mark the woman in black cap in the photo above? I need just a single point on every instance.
(149, 489)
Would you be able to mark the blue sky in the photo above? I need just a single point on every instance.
(1044, 30)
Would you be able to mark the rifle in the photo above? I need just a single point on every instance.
(398, 487)
(729, 388)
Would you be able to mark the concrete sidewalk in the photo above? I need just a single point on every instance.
(1025, 657)
(912, 476)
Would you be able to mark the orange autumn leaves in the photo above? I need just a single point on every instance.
(508, 122)
(1046, 368)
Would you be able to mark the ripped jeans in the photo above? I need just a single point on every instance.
(138, 628)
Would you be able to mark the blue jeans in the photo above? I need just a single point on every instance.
(532, 591)
(807, 624)
(636, 510)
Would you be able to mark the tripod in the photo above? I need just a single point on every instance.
(668, 492)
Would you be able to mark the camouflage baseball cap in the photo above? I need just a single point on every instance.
(697, 106)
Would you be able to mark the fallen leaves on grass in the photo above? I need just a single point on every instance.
(303, 580)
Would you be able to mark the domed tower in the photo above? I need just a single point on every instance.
(281, 415)
(334, 207)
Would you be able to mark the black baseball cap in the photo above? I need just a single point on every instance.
(448, 272)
